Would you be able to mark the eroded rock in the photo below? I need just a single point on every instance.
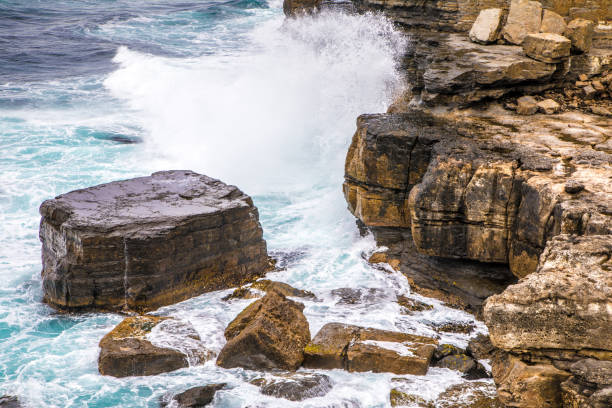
(526, 105)
(147, 242)
(150, 345)
(552, 23)
(359, 349)
(271, 333)
(294, 8)
(580, 32)
(9, 401)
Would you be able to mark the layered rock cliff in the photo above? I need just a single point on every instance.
(496, 162)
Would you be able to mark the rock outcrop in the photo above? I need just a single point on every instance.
(360, 349)
(269, 334)
(150, 345)
(147, 242)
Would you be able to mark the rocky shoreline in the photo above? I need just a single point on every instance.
(487, 183)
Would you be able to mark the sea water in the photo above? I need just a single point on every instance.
(99, 90)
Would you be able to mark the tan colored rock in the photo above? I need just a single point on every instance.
(548, 106)
(580, 32)
(547, 47)
(527, 386)
(524, 17)
(565, 305)
(269, 334)
(284, 289)
(487, 26)
(478, 394)
(552, 23)
(359, 349)
(129, 349)
(526, 105)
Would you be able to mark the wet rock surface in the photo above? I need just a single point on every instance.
(297, 387)
(360, 349)
(269, 334)
(196, 397)
(265, 285)
(143, 243)
(9, 401)
(131, 350)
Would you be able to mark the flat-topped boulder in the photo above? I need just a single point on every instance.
(360, 349)
(147, 242)
(150, 345)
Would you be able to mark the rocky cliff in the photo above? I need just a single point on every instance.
(495, 163)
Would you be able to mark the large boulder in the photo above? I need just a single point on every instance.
(580, 32)
(487, 26)
(524, 17)
(360, 349)
(143, 243)
(547, 47)
(150, 345)
(269, 334)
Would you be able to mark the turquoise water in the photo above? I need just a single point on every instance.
(105, 90)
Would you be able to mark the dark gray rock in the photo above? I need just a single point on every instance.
(9, 401)
(195, 397)
(147, 242)
(298, 387)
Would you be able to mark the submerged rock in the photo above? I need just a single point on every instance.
(265, 285)
(297, 387)
(143, 243)
(196, 397)
(360, 349)
(131, 350)
(269, 334)
(477, 394)
(399, 398)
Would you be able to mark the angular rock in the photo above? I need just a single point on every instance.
(412, 305)
(524, 17)
(547, 47)
(469, 395)
(573, 187)
(548, 106)
(399, 398)
(552, 23)
(359, 349)
(527, 386)
(150, 345)
(293, 8)
(271, 333)
(282, 288)
(195, 397)
(147, 242)
(526, 105)
(298, 387)
(580, 32)
(480, 347)
(9, 401)
(465, 364)
(564, 305)
(487, 26)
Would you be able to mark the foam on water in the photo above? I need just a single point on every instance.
(272, 112)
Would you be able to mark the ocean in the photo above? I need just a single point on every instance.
(95, 91)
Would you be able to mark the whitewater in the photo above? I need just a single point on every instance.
(229, 89)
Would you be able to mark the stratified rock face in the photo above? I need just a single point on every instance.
(487, 26)
(524, 17)
(360, 349)
(556, 317)
(547, 47)
(130, 349)
(147, 242)
(269, 334)
(565, 305)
